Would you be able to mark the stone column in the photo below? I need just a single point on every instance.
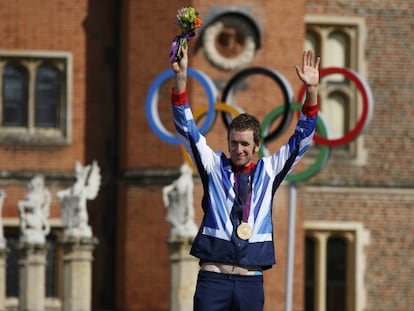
(183, 274)
(77, 273)
(3, 259)
(32, 270)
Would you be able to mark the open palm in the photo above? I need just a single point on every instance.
(309, 72)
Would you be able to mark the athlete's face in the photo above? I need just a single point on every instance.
(242, 147)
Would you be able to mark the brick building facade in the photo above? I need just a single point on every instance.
(116, 49)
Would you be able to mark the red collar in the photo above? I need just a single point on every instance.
(244, 169)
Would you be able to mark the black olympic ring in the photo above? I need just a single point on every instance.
(279, 79)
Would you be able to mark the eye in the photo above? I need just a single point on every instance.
(233, 144)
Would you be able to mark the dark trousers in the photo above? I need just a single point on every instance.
(228, 292)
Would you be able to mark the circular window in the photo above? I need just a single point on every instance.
(230, 42)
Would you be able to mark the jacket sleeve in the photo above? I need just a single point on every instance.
(203, 157)
(284, 161)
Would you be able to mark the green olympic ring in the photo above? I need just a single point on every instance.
(324, 151)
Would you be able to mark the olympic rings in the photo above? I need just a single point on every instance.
(367, 102)
(324, 151)
(151, 104)
(202, 111)
(228, 111)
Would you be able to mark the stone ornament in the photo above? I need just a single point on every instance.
(34, 212)
(178, 200)
(230, 42)
(74, 212)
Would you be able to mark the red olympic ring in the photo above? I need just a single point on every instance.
(367, 103)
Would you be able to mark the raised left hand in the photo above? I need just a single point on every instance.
(309, 72)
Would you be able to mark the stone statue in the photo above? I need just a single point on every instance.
(2, 239)
(34, 212)
(178, 200)
(74, 212)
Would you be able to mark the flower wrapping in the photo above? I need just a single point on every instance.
(188, 20)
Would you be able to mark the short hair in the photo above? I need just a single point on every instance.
(244, 122)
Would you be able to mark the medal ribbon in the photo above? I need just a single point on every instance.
(243, 182)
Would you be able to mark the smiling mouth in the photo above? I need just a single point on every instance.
(241, 159)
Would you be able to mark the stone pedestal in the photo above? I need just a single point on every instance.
(183, 274)
(77, 273)
(32, 267)
(3, 260)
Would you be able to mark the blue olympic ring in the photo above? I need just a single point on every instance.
(151, 104)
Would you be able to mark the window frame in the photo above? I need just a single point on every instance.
(355, 153)
(357, 238)
(30, 134)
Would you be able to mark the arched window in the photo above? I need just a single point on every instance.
(336, 109)
(47, 96)
(339, 44)
(15, 96)
(310, 251)
(334, 266)
(35, 102)
(336, 274)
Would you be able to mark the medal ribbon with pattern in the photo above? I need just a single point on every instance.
(244, 231)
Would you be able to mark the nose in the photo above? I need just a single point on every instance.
(239, 148)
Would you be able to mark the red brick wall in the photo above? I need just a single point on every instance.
(387, 214)
(379, 193)
(24, 27)
(85, 29)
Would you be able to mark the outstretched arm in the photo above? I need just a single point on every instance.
(309, 75)
(180, 69)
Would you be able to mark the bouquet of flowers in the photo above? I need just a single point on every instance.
(188, 20)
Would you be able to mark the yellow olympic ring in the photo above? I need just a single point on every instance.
(202, 111)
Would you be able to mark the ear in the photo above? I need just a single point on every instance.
(256, 148)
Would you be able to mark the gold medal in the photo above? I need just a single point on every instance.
(244, 231)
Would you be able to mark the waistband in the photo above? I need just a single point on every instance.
(230, 269)
(225, 276)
